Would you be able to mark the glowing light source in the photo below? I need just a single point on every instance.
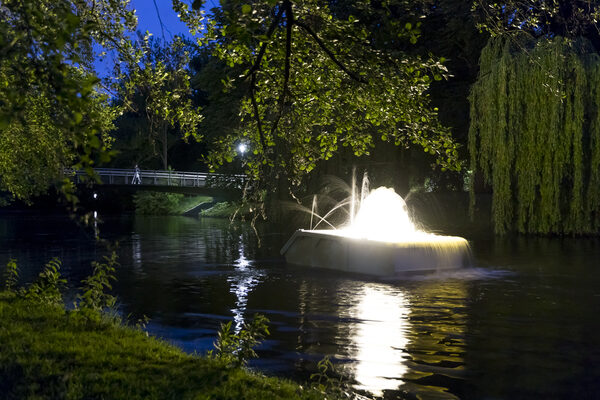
(242, 148)
(382, 216)
(380, 239)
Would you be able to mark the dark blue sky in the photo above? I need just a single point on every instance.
(148, 18)
(148, 21)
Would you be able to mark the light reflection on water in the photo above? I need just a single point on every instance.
(520, 325)
(242, 281)
(136, 252)
(379, 338)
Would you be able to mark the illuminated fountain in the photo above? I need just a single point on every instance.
(380, 239)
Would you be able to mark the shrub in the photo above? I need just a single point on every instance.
(11, 275)
(93, 292)
(237, 348)
(49, 284)
(157, 203)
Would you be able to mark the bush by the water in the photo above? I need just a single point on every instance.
(162, 203)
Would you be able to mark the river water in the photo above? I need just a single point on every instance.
(523, 323)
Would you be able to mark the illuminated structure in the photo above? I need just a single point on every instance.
(380, 240)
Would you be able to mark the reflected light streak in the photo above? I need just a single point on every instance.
(242, 283)
(380, 339)
(96, 230)
(136, 250)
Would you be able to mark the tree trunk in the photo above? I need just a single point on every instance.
(164, 147)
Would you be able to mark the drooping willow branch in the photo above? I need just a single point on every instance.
(545, 172)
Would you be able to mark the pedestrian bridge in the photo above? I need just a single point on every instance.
(171, 181)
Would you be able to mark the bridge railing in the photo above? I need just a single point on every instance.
(116, 176)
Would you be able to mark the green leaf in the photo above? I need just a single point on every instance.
(95, 142)
(246, 9)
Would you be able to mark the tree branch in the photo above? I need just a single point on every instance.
(256, 115)
(288, 49)
(286, 69)
(263, 48)
(328, 52)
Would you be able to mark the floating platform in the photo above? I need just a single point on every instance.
(333, 249)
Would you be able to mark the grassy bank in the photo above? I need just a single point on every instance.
(227, 209)
(47, 352)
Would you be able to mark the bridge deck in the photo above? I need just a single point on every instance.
(115, 176)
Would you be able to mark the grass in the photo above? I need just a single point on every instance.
(47, 352)
(226, 210)
(189, 202)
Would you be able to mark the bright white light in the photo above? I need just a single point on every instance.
(383, 217)
(95, 195)
(242, 148)
(380, 339)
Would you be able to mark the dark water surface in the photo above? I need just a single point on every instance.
(524, 323)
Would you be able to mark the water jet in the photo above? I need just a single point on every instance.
(379, 239)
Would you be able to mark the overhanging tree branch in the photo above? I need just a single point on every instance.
(329, 52)
(256, 115)
(263, 48)
(288, 49)
(287, 5)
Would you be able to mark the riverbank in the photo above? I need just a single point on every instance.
(46, 352)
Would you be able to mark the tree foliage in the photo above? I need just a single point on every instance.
(35, 149)
(540, 18)
(156, 87)
(535, 134)
(51, 116)
(315, 83)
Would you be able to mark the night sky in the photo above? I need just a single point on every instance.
(148, 21)
(148, 18)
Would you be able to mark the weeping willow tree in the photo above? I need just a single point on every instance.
(535, 134)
